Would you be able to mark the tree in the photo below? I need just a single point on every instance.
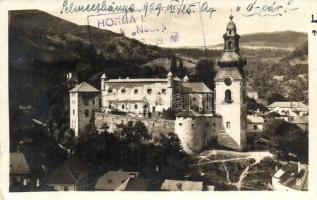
(205, 71)
(274, 97)
(140, 132)
(169, 114)
(286, 139)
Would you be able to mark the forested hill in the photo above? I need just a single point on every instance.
(43, 48)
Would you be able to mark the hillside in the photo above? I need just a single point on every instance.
(43, 48)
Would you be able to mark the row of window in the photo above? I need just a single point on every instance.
(136, 91)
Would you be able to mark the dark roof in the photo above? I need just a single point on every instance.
(137, 184)
(289, 175)
(70, 172)
(231, 59)
(232, 72)
(84, 87)
(18, 164)
(195, 87)
(113, 179)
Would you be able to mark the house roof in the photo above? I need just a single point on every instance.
(255, 119)
(232, 72)
(289, 175)
(84, 87)
(134, 184)
(287, 104)
(176, 185)
(300, 120)
(137, 80)
(113, 179)
(195, 87)
(18, 164)
(69, 172)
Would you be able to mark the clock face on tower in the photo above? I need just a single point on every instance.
(228, 81)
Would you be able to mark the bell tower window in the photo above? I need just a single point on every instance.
(228, 98)
(229, 44)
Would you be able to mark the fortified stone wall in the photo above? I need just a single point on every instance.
(195, 132)
(155, 126)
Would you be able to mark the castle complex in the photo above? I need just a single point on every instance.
(204, 116)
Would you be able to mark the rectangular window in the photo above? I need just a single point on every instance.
(136, 91)
(135, 106)
(149, 91)
(109, 91)
(123, 91)
(73, 111)
(65, 188)
(193, 125)
(86, 113)
(163, 91)
(255, 127)
(180, 124)
(228, 125)
(214, 124)
(122, 106)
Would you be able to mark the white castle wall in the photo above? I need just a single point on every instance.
(195, 132)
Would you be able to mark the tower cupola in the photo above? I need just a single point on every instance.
(231, 56)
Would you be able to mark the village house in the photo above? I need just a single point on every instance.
(20, 173)
(72, 175)
(283, 107)
(178, 185)
(291, 178)
(118, 180)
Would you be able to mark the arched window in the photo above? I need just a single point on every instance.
(230, 45)
(228, 98)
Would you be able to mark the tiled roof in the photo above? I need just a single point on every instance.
(137, 80)
(288, 104)
(176, 185)
(289, 177)
(134, 184)
(84, 87)
(18, 164)
(193, 87)
(300, 120)
(69, 172)
(255, 119)
(232, 72)
(113, 179)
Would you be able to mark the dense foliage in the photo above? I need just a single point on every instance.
(288, 141)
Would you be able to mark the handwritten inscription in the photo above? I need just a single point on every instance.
(313, 20)
(177, 7)
(267, 8)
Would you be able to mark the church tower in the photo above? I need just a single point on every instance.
(230, 92)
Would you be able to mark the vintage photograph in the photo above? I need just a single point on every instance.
(129, 101)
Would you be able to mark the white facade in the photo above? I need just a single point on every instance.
(233, 128)
(137, 96)
(82, 106)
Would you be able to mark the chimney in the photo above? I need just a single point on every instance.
(179, 186)
(37, 182)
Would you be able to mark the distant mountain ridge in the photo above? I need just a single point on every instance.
(279, 39)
